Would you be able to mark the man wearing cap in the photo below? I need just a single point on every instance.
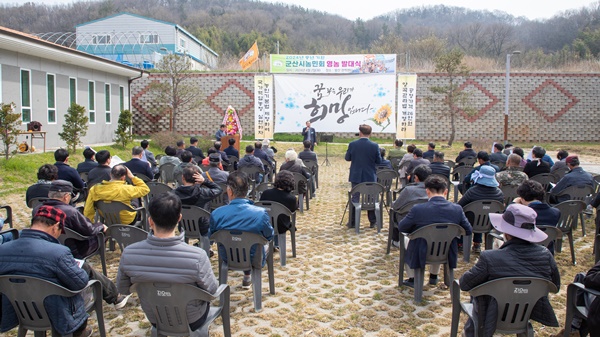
(195, 189)
(213, 173)
(38, 253)
(117, 190)
(485, 187)
(60, 195)
(519, 256)
(575, 177)
(436, 210)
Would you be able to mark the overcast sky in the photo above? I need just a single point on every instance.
(532, 9)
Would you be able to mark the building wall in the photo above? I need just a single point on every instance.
(543, 107)
(100, 132)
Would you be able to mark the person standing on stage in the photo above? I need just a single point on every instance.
(310, 134)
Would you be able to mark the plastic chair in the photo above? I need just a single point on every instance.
(597, 247)
(73, 235)
(582, 193)
(270, 171)
(569, 210)
(109, 213)
(402, 170)
(439, 238)
(27, 295)
(8, 219)
(468, 161)
(574, 310)
(166, 173)
(84, 176)
(313, 167)
(142, 176)
(394, 214)
(233, 161)
(386, 178)
(260, 188)
(500, 164)
(515, 298)
(449, 163)
(275, 210)
(509, 192)
(126, 235)
(478, 214)
(552, 232)
(252, 172)
(545, 179)
(298, 179)
(395, 162)
(192, 219)
(558, 174)
(34, 202)
(168, 302)
(13, 231)
(237, 246)
(156, 188)
(459, 172)
(221, 199)
(370, 195)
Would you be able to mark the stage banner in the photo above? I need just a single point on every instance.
(335, 103)
(334, 64)
(263, 107)
(407, 104)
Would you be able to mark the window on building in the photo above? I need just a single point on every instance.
(182, 43)
(107, 103)
(92, 101)
(148, 38)
(101, 39)
(72, 90)
(26, 95)
(51, 91)
(121, 98)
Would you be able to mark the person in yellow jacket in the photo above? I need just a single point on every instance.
(116, 190)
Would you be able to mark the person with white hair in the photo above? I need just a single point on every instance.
(291, 164)
(268, 150)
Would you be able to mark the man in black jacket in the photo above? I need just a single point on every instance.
(196, 190)
(521, 256)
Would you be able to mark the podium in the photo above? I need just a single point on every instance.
(225, 141)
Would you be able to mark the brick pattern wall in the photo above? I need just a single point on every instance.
(543, 107)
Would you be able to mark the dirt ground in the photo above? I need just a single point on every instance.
(340, 283)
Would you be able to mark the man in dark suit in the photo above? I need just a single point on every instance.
(307, 153)
(310, 134)
(230, 150)
(102, 171)
(436, 210)
(364, 156)
(430, 151)
(467, 152)
(137, 165)
(89, 163)
(438, 166)
(417, 160)
(195, 150)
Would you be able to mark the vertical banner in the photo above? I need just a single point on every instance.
(263, 107)
(407, 92)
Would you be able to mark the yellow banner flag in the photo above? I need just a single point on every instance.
(250, 57)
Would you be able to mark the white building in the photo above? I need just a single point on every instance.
(43, 78)
(141, 42)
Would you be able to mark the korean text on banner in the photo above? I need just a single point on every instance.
(263, 107)
(335, 103)
(250, 57)
(407, 99)
(334, 64)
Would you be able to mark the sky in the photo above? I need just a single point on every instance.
(352, 9)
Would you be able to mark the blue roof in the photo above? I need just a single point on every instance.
(178, 27)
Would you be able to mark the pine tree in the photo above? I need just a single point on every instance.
(123, 132)
(75, 127)
(9, 127)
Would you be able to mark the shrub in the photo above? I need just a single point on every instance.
(123, 133)
(75, 127)
(165, 138)
(9, 127)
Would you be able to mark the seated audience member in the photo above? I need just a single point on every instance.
(46, 174)
(194, 149)
(413, 191)
(519, 256)
(38, 253)
(511, 174)
(307, 153)
(195, 189)
(231, 150)
(66, 172)
(508, 149)
(497, 155)
(575, 177)
(484, 160)
(186, 161)
(407, 158)
(242, 215)
(293, 166)
(485, 187)
(384, 162)
(397, 151)
(467, 152)
(592, 324)
(165, 257)
(60, 195)
(259, 153)
(149, 156)
(437, 166)
(224, 157)
(268, 150)
(519, 151)
(170, 157)
(180, 148)
(102, 171)
(206, 162)
(250, 160)
(88, 163)
(561, 164)
(282, 193)
(137, 165)
(117, 190)
(536, 165)
(416, 161)
(436, 210)
(214, 173)
(430, 151)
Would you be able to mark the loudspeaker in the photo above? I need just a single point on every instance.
(34, 126)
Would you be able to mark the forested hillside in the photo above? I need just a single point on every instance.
(231, 26)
